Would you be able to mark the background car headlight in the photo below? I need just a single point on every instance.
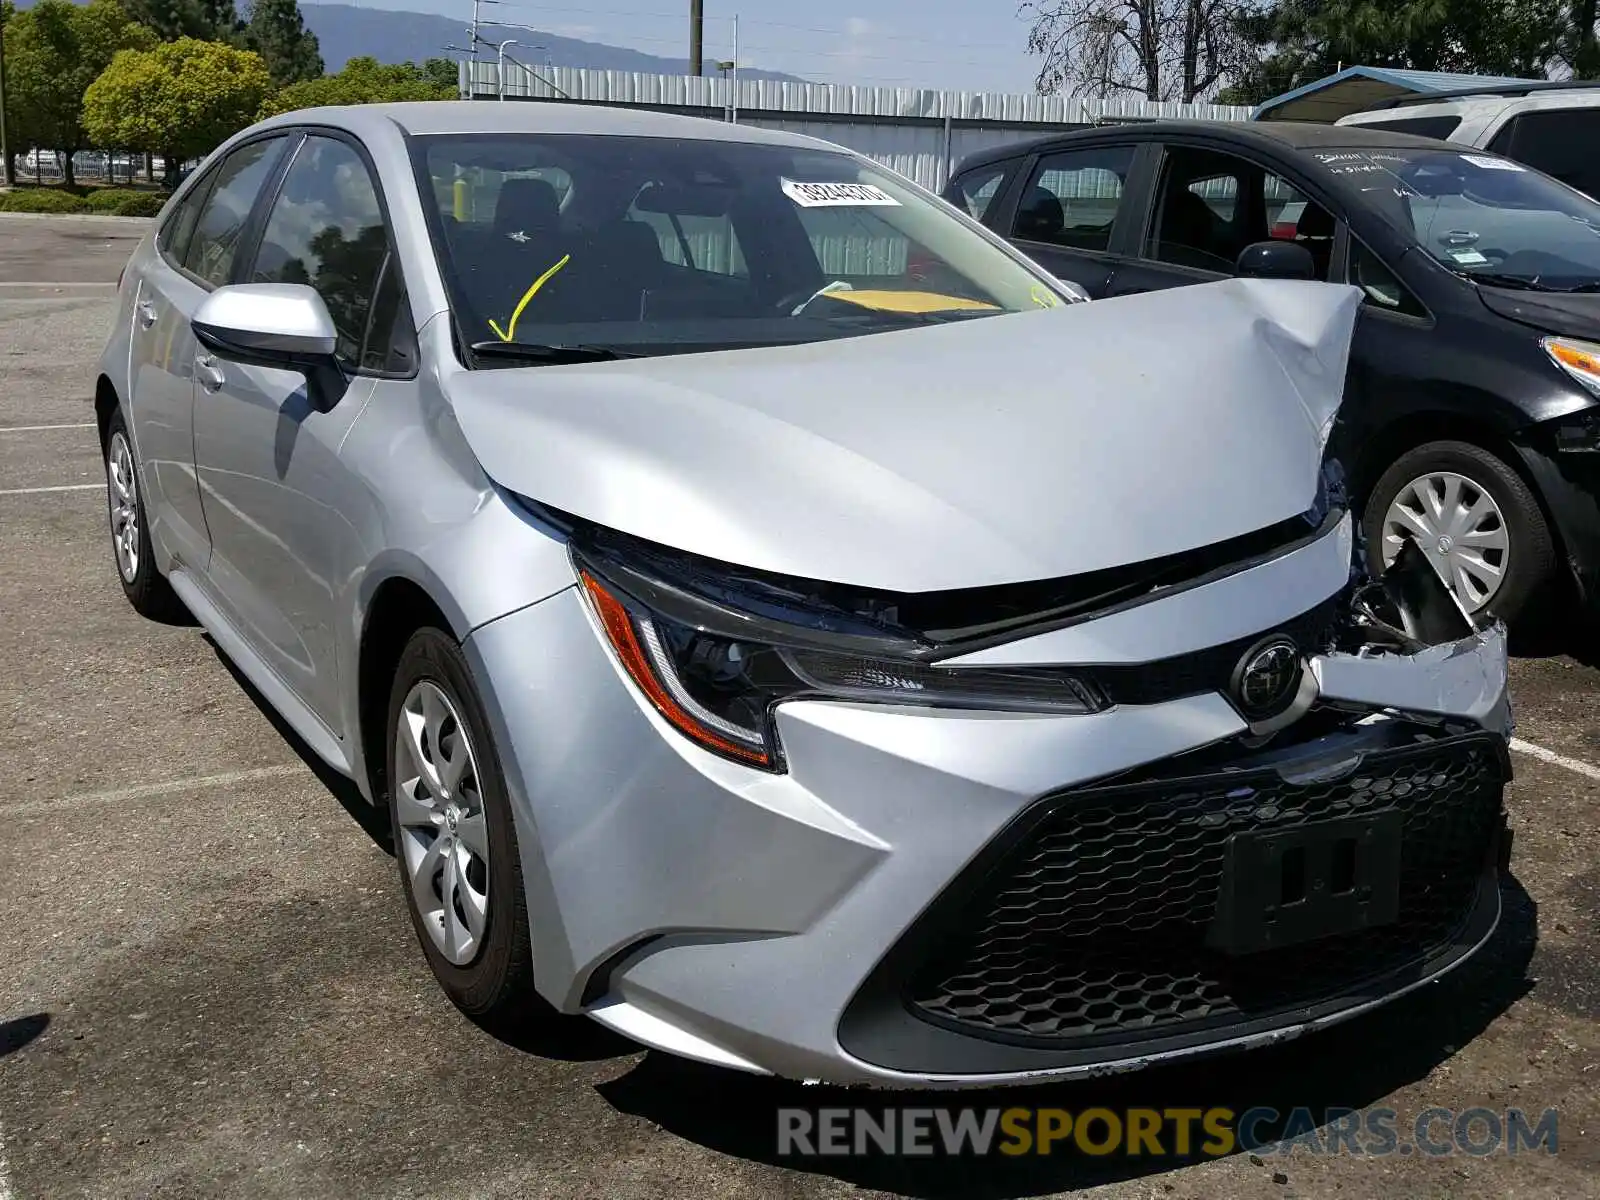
(715, 673)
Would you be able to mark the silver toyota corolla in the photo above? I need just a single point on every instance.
(780, 624)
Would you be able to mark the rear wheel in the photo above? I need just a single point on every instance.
(147, 590)
(1473, 516)
(454, 839)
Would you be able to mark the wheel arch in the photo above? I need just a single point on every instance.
(398, 606)
(106, 403)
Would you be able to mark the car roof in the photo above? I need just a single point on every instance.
(1263, 135)
(468, 116)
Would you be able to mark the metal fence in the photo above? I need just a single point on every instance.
(919, 132)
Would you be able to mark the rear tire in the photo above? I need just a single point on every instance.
(145, 587)
(1472, 514)
(455, 841)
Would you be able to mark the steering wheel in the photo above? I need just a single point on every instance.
(793, 303)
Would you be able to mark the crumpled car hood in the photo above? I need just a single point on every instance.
(998, 450)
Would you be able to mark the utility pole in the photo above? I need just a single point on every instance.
(5, 146)
(696, 29)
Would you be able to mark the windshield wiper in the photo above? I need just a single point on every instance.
(1521, 283)
(553, 353)
(1579, 289)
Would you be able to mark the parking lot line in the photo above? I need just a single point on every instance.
(145, 791)
(1576, 765)
(65, 487)
(38, 428)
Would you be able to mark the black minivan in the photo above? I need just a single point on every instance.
(1471, 421)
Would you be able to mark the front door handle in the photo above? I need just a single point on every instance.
(147, 314)
(209, 372)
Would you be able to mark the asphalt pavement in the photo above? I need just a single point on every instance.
(208, 984)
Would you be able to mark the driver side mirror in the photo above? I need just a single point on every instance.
(1276, 259)
(283, 325)
(267, 324)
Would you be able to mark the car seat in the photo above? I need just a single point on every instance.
(1041, 218)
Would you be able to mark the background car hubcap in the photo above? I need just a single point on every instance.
(122, 491)
(443, 835)
(1460, 528)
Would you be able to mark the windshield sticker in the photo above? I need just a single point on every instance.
(1493, 164)
(1468, 258)
(837, 195)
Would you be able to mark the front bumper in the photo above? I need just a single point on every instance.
(740, 918)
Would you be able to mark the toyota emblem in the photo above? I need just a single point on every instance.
(1267, 678)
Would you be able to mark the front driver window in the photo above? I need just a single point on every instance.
(326, 229)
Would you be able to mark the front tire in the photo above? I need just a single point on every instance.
(1476, 519)
(454, 838)
(145, 587)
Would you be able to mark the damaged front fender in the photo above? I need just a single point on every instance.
(1467, 679)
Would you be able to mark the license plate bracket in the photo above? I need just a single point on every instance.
(1283, 887)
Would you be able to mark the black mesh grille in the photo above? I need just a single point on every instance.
(1094, 925)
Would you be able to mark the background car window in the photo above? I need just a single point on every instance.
(1381, 288)
(326, 229)
(1432, 127)
(1292, 216)
(1559, 143)
(1073, 198)
(175, 234)
(1206, 212)
(976, 190)
(215, 244)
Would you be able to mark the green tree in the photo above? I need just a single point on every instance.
(1298, 41)
(54, 51)
(178, 100)
(363, 81)
(208, 20)
(1580, 39)
(278, 33)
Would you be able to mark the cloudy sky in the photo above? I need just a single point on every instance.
(919, 43)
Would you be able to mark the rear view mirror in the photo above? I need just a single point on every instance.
(1276, 260)
(268, 324)
(678, 200)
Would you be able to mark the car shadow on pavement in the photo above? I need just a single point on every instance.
(374, 821)
(17, 1033)
(1350, 1066)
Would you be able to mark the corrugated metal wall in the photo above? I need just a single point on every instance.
(919, 132)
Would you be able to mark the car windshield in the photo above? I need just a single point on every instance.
(591, 246)
(1483, 216)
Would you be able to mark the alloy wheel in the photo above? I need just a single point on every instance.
(443, 834)
(1460, 528)
(122, 494)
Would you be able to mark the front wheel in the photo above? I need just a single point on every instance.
(454, 839)
(1474, 517)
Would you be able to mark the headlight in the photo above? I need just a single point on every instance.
(715, 671)
(1581, 360)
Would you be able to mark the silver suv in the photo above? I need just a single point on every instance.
(1553, 127)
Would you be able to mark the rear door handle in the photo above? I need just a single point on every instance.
(147, 314)
(209, 372)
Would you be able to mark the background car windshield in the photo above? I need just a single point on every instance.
(1481, 215)
(661, 244)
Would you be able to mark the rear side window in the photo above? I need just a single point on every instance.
(1429, 127)
(1073, 197)
(212, 249)
(1561, 143)
(326, 230)
(175, 234)
(975, 191)
(702, 241)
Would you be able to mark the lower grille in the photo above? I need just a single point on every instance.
(1093, 927)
